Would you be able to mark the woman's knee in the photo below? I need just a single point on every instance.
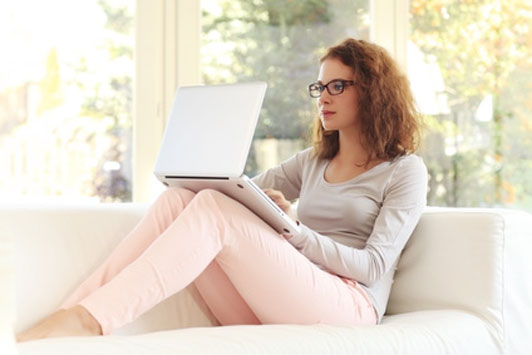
(211, 197)
(177, 194)
(210, 194)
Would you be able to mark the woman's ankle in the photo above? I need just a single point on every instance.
(75, 321)
(87, 320)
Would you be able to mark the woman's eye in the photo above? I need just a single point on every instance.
(338, 86)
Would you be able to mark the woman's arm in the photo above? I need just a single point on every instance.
(404, 201)
(286, 177)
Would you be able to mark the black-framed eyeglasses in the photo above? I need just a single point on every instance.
(334, 87)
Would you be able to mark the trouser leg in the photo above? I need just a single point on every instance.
(278, 283)
(159, 216)
(220, 295)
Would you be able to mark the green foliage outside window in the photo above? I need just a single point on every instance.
(483, 49)
(279, 42)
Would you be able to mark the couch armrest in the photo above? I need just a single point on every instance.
(477, 260)
(56, 247)
(7, 297)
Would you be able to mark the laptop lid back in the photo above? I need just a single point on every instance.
(210, 129)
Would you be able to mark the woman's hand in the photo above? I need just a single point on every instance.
(281, 201)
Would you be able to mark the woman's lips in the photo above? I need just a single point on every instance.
(326, 113)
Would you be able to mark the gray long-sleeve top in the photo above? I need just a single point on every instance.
(357, 228)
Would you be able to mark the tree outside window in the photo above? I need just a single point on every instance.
(478, 147)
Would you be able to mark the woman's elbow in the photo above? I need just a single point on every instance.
(376, 269)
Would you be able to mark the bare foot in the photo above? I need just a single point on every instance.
(75, 321)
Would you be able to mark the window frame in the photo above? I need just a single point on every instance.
(167, 37)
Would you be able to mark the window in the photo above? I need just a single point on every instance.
(279, 42)
(66, 99)
(66, 86)
(470, 67)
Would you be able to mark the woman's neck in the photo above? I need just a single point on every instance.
(350, 149)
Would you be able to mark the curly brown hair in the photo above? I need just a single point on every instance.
(389, 119)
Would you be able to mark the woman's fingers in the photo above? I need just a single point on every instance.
(281, 201)
(278, 198)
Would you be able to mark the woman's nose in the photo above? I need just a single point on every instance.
(325, 97)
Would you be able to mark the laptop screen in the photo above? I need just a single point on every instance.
(210, 130)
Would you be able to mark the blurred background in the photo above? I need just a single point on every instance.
(68, 72)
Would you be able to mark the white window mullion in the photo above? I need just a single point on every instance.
(166, 56)
(188, 34)
(148, 94)
(181, 47)
(389, 27)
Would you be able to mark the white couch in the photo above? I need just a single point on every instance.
(463, 286)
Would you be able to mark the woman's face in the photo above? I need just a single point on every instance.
(337, 112)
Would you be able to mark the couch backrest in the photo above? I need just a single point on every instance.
(476, 260)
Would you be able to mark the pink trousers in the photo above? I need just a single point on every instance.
(246, 272)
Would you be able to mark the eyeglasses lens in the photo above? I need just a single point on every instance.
(315, 90)
(336, 87)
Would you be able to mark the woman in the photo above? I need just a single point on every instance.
(361, 192)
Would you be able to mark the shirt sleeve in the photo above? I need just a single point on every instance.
(286, 177)
(404, 201)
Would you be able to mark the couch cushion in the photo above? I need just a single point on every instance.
(430, 332)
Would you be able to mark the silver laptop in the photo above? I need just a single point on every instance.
(206, 145)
